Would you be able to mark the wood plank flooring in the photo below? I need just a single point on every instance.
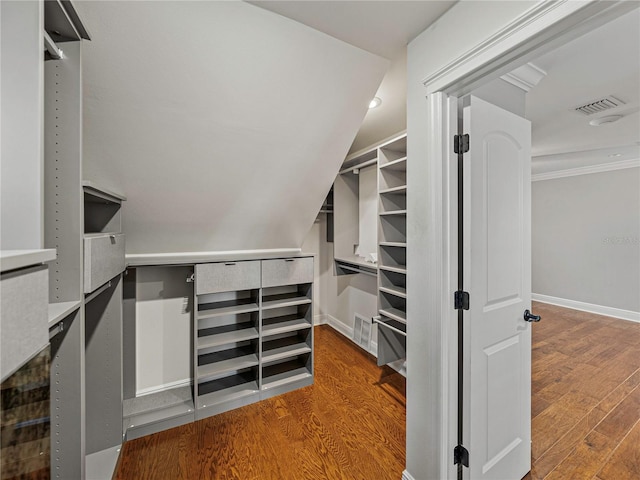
(351, 423)
(585, 396)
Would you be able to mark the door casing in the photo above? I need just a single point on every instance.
(544, 27)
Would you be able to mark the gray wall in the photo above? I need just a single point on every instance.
(586, 238)
(22, 121)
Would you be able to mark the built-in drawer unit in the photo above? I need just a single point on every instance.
(287, 271)
(227, 276)
(103, 259)
(24, 316)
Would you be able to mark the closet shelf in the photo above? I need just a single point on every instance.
(216, 340)
(284, 300)
(402, 270)
(286, 351)
(393, 244)
(234, 392)
(227, 307)
(400, 189)
(396, 165)
(211, 370)
(394, 212)
(284, 324)
(394, 314)
(397, 291)
(284, 377)
(61, 310)
(394, 325)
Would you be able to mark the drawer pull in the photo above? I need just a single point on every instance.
(289, 259)
(229, 264)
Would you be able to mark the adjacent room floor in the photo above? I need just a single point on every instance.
(585, 396)
(351, 423)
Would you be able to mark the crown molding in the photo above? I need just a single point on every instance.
(572, 172)
(525, 77)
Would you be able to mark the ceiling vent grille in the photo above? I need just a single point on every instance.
(598, 106)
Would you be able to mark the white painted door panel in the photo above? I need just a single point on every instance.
(497, 275)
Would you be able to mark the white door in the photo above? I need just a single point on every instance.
(497, 275)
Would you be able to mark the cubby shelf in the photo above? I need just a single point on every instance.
(397, 291)
(401, 270)
(394, 212)
(400, 189)
(284, 324)
(395, 314)
(227, 307)
(234, 336)
(253, 317)
(398, 165)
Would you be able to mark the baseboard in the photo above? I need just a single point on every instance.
(344, 329)
(588, 307)
(320, 319)
(347, 331)
(165, 386)
(407, 476)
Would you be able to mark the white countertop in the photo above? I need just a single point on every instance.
(14, 259)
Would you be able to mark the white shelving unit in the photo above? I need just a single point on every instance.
(392, 250)
(253, 335)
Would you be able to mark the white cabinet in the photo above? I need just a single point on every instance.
(253, 334)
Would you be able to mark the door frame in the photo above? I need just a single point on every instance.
(540, 29)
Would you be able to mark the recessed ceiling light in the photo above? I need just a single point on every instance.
(596, 122)
(615, 155)
(375, 102)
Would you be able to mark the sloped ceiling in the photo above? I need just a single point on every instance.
(223, 123)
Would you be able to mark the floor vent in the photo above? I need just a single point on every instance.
(600, 105)
(362, 331)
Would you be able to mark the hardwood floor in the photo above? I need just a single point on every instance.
(351, 423)
(585, 396)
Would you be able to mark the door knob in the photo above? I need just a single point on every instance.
(530, 317)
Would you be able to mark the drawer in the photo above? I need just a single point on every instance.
(227, 276)
(103, 259)
(24, 304)
(287, 271)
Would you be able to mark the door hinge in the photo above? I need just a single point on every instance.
(461, 143)
(461, 300)
(461, 456)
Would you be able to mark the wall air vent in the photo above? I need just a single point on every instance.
(600, 105)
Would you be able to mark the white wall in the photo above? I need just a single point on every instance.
(586, 238)
(368, 211)
(164, 310)
(223, 123)
(22, 85)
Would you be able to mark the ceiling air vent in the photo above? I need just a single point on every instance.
(598, 106)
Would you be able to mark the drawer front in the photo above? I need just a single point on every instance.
(227, 276)
(24, 303)
(287, 271)
(103, 259)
